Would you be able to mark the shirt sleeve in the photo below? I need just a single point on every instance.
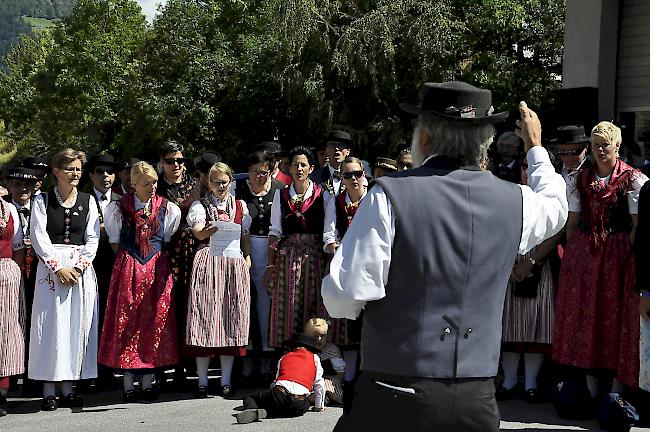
(545, 208)
(246, 218)
(359, 268)
(17, 235)
(276, 216)
(113, 222)
(172, 220)
(41, 242)
(319, 385)
(196, 214)
(91, 236)
(633, 194)
(329, 229)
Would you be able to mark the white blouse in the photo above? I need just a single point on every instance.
(573, 194)
(330, 234)
(41, 239)
(276, 210)
(113, 220)
(197, 213)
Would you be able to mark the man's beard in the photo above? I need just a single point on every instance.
(416, 153)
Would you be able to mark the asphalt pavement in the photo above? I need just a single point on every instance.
(180, 411)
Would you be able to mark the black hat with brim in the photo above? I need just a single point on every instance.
(338, 137)
(128, 163)
(22, 173)
(571, 134)
(271, 147)
(38, 162)
(102, 160)
(300, 340)
(456, 101)
(204, 162)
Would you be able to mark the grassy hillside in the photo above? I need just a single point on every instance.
(25, 16)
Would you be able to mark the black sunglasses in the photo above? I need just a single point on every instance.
(172, 161)
(349, 175)
(102, 171)
(574, 152)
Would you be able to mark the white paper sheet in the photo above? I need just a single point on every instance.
(226, 241)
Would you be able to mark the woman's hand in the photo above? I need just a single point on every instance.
(521, 270)
(67, 276)
(331, 248)
(202, 232)
(248, 261)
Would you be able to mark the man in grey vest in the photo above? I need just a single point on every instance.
(428, 257)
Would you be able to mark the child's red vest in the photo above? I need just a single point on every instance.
(298, 366)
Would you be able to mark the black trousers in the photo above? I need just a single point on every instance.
(392, 402)
(277, 404)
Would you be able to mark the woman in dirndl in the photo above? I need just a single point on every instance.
(528, 316)
(12, 300)
(65, 234)
(339, 212)
(139, 334)
(596, 311)
(218, 307)
(296, 262)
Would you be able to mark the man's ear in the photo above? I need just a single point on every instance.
(425, 141)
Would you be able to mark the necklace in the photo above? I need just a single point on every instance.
(73, 194)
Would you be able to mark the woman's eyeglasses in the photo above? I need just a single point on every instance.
(172, 161)
(74, 170)
(220, 183)
(351, 174)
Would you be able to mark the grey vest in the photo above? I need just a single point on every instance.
(457, 233)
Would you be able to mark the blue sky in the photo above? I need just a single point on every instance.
(149, 7)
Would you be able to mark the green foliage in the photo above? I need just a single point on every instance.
(226, 74)
(37, 24)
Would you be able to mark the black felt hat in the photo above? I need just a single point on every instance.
(128, 163)
(22, 173)
(571, 134)
(456, 101)
(35, 162)
(300, 340)
(271, 147)
(104, 159)
(204, 162)
(339, 137)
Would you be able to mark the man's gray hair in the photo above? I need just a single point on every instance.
(466, 142)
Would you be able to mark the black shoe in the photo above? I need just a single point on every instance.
(149, 395)
(202, 392)
(503, 394)
(72, 400)
(533, 396)
(49, 404)
(130, 396)
(3, 406)
(226, 391)
(250, 415)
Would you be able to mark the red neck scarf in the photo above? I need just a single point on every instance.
(598, 199)
(146, 222)
(299, 208)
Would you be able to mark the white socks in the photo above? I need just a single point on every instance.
(128, 382)
(226, 369)
(592, 385)
(350, 358)
(66, 388)
(202, 366)
(510, 365)
(532, 364)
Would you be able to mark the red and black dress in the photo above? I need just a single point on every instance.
(596, 312)
(140, 325)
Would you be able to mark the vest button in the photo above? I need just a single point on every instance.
(467, 333)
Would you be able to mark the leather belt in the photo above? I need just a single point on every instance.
(291, 395)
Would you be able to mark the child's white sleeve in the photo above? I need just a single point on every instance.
(319, 385)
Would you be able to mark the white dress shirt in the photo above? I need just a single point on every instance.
(632, 194)
(103, 203)
(336, 182)
(359, 269)
(276, 208)
(330, 234)
(299, 389)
